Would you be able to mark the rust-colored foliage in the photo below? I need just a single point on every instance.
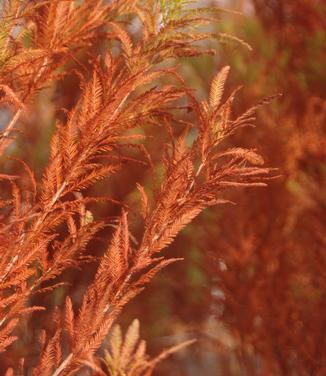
(47, 227)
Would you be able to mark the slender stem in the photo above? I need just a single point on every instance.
(63, 365)
(3, 143)
(8, 268)
(58, 194)
(50, 206)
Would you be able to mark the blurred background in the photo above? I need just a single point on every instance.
(252, 287)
